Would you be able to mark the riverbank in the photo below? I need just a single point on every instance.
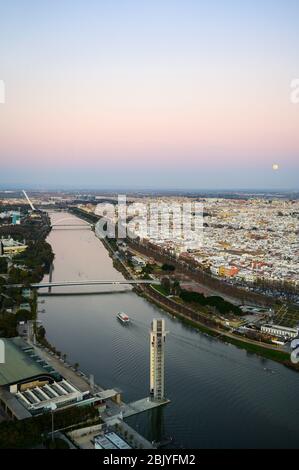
(250, 345)
(190, 317)
(201, 374)
(163, 302)
(24, 268)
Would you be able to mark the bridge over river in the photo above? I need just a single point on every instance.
(96, 282)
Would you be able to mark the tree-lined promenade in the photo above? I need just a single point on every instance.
(190, 268)
(187, 313)
(196, 273)
(209, 326)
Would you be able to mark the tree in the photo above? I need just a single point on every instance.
(165, 283)
(31, 431)
(176, 287)
(23, 315)
(41, 332)
(3, 265)
(146, 271)
(168, 267)
(8, 325)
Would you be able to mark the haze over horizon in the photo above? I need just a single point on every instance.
(172, 94)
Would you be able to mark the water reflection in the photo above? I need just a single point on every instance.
(221, 396)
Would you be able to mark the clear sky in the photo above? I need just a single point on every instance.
(149, 93)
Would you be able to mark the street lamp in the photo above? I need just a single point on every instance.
(52, 407)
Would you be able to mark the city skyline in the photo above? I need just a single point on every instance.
(172, 95)
(149, 209)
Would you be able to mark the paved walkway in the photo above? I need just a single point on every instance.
(139, 406)
(64, 369)
(219, 333)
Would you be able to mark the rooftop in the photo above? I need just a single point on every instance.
(20, 363)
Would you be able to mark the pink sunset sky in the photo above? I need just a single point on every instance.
(172, 95)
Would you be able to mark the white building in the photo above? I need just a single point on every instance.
(278, 330)
(138, 262)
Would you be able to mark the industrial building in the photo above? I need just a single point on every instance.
(110, 440)
(138, 262)
(280, 331)
(16, 218)
(39, 398)
(11, 247)
(30, 386)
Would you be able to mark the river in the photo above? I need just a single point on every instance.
(221, 396)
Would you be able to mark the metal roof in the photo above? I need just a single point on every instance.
(18, 365)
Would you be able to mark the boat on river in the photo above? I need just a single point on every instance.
(123, 318)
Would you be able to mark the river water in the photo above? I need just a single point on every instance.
(221, 396)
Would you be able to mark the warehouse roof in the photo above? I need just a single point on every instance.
(20, 364)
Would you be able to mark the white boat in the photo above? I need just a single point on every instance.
(123, 317)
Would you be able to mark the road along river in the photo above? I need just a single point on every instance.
(221, 396)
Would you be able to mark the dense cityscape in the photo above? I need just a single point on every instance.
(240, 284)
(149, 231)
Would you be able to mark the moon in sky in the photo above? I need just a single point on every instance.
(275, 166)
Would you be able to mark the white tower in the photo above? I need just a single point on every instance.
(157, 347)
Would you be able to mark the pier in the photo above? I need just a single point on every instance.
(139, 406)
(116, 410)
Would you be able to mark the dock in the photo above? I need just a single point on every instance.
(139, 406)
